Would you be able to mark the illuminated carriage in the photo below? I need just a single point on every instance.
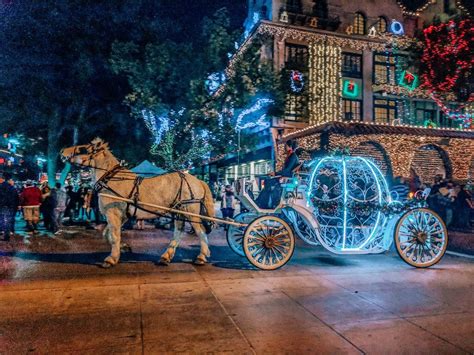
(343, 204)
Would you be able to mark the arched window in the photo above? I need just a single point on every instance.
(381, 25)
(359, 24)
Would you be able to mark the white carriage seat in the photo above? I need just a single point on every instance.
(249, 203)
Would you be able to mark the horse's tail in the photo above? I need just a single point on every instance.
(208, 208)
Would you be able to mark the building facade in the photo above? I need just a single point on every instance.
(352, 83)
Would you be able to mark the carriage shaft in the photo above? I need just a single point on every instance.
(173, 210)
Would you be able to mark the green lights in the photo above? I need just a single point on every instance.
(408, 80)
(350, 89)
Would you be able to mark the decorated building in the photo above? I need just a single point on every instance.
(353, 82)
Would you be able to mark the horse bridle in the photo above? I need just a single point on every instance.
(91, 151)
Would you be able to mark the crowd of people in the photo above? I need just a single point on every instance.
(453, 202)
(53, 206)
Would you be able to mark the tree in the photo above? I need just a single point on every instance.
(55, 76)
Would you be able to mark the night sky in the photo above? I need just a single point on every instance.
(190, 13)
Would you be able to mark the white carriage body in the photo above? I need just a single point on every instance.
(343, 204)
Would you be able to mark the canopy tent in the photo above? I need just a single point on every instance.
(147, 169)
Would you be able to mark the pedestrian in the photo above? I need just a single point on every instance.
(86, 205)
(30, 200)
(61, 204)
(70, 211)
(463, 206)
(14, 205)
(53, 201)
(81, 194)
(228, 204)
(47, 208)
(8, 200)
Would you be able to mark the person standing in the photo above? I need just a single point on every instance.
(8, 201)
(14, 205)
(463, 207)
(30, 200)
(70, 207)
(61, 204)
(46, 208)
(86, 205)
(228, 204)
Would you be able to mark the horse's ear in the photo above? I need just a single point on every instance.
(97, 142)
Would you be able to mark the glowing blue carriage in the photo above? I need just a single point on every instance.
(343, 204)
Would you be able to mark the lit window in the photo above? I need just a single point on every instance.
(352, 110)
(385, 110)
(381, 25)
(296, 108)
(359, 24)
(385, 67)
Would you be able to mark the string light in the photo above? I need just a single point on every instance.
(400, 148)
(257, 106)
(460, 6)
(157, 125)
(324, 82)
(418, 10)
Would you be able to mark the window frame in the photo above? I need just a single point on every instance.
(387, 106)
(351, 73)
(353, 103)
(360, 20)
(300, 60)
(391, 75)
(382, 19)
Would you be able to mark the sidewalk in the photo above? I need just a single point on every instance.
(55, 299)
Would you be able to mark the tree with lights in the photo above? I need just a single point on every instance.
(161, 86)
(447, 61)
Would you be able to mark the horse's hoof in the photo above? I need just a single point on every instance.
(106, 265)
(163, 262)
(199, 262)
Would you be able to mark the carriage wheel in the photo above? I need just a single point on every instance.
(235, 234)
(268, 242)
(421, 237)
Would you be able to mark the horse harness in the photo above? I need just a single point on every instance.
(114, 175)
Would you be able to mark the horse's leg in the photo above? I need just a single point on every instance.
(168, 255)
(114, 224)
(205, 252)
(125, 247)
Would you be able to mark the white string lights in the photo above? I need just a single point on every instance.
(157, 125)
(324, 82)
(257, 106)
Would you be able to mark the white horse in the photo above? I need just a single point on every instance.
(176, 189)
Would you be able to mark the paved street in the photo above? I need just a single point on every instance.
(55, 299)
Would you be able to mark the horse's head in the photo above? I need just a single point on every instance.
(85, 155)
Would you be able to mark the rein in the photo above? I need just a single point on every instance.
(114, 175)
